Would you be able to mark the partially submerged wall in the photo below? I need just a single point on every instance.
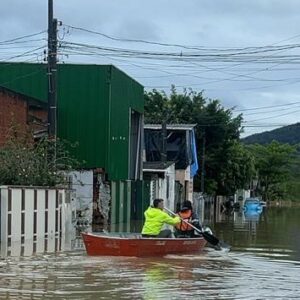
(39, 218)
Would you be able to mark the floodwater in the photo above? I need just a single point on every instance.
(263, 263)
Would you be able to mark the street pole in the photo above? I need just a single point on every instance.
(51, 72)
(164, 141)
(203, 162)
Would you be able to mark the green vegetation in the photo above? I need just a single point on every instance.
(289, 188)
(273, 166)
(292, 186)
(43, 163)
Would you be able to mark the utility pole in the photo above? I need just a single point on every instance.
(203, 162)
(51, 72)
(164, 141)
(164, 135)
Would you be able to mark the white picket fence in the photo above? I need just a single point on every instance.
(34, 218)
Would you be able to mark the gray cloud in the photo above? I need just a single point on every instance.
(137, 29)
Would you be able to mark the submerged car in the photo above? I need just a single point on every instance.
(253, 204)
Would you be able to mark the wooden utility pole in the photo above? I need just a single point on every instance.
(203, 162)
(164, 141)
(51, 72)
(164, 136)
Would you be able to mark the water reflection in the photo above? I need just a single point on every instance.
(274, 229)
(30, 247)
(210, 275)
(252, 215)
(75, 276)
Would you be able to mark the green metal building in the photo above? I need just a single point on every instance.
(101, 109)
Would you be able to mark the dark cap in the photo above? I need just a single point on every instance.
(187, 205)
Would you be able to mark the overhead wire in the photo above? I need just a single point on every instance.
(242, 55)
(22, 37)
(271, 106)
(26, 53)
(277, 116)
(262, 59)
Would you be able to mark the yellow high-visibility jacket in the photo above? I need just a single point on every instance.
(155, 219)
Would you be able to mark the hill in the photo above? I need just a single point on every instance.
(288, 134)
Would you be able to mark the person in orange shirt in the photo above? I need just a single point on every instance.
(187, 214)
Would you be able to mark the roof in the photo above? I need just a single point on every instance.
(170, 126)
(33, 102)
(156, 166)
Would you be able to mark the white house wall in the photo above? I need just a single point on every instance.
(184, 176)
(81, 183)
(241, 195)
(160, 188)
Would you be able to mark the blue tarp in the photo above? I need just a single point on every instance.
(194, 165)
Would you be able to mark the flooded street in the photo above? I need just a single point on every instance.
(263, 263)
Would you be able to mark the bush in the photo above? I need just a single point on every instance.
(42, 163)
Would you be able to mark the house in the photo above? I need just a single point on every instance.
(181, 150)
(100, 108)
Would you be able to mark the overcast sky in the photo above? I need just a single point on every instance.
(244, 53)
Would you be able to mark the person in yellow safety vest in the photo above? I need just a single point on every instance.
(155, 218)
(186, 213)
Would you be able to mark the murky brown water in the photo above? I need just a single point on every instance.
(264, 263)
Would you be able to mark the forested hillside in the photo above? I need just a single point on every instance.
(287, 134)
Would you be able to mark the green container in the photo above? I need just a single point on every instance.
(95, 105)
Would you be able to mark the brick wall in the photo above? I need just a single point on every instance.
(15, 112)
(38, 118)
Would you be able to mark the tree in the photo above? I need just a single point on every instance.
(223, 173)
(273, 163)
(237, 171)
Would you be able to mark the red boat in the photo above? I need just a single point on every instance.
(131, 244)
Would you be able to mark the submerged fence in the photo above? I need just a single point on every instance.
(36, 217)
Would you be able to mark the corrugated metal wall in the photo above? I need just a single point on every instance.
(27, 79)
(140, 198)
(120, 206)
(125, 93)
(129, 201)
(94, 108)
(83, 104)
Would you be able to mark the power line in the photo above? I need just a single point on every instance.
(251, 49)
(270, 111)
(265, 107)
(123, 52)
(23, 37)
(277, 116)
(26, 53)
(224, 55)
